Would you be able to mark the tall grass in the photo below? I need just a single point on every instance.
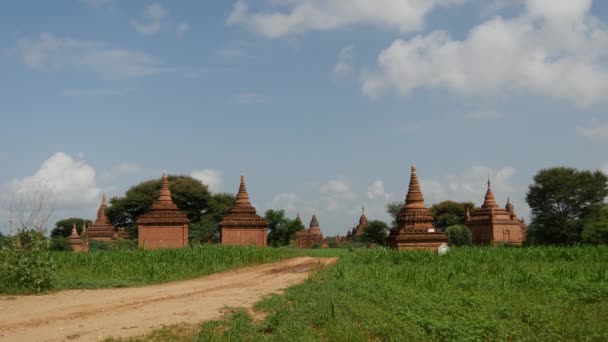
(543, 293)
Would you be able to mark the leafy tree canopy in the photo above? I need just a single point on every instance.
(64, 227)
(595, 226)
(559, 198)
(393, 209)
(207, 230)
(449, 213)
(459, 235)
(281, 229)
(375, 232)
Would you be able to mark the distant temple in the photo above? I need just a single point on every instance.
(242, 226)
(360, 228)
(164, 226)
(311, 236)
(491, 224)
(415, 229)
(77, 243)
(102, 229)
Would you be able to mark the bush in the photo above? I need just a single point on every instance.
(96, 245)
(60, 243)
(459, 235)
(26, 264)
(316, 245)
(123, 244)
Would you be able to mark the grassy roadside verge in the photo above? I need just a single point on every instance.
(545, 293)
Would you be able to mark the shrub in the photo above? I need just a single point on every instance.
(96, 245)
(458, 235)
(26, 264)
(316, 245)
(60, 243)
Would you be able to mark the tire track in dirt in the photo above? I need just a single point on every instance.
(91, 315)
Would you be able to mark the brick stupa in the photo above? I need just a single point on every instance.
(360, 228)
(164, 226)
(491, 224)
(311, 236)
(242, 225)
(415, 229)
(78, 244)
(101, 229)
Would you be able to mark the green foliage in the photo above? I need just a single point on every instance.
(26, 264)
(375, 232)
(333, 243)
(64, 227)
(449, 213)
(470, 294)
(559, 198)
(97, 245)
(59, 244)
(459, 235)
(190, 195)
(281, 230)
(595, 226)
(393, 209)
(207, 230)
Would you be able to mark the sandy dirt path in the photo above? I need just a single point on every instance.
(91, 315)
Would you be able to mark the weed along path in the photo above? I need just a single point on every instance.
(91, 315)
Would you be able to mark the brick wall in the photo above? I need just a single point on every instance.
(255, 237)
(155, 237)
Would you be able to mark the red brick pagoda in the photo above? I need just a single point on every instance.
(491, 224)
(415, 229)
(78, 243)
(311, 236)
(101, 229)
(360, 228)
(164, 226)
(242, 225)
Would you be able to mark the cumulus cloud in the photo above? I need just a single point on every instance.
(343, 66)
(119, 170)
(71, 182)
(604, 168)
(598, 131)
(285, 201)
(288, 17)
(209, 177)
(336, 191)
(153, 17)
(553, 48)
(376, 190)
(51, 53)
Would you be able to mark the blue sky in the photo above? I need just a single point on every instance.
(323, 105)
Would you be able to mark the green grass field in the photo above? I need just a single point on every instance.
(125, 268)
(471, 294)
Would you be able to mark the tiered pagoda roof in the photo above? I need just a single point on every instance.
(314, 228)
(415, 216)
(101, 228)
(242, 214)
(163, 211)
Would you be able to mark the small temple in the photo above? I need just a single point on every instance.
(242, 225)
(102, 229)
(164, 226)
(311, 236)
(415, 230)
(360, 228)
(77, 243)
(492, 224)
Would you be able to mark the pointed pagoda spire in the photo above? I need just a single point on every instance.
(414, 198)
(490, 200)
(509, 207)
(314, 223)
(101, 212)
(74, 231)
(242, 197)
(104, 203)
(165, 192)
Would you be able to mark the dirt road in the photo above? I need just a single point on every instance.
(91, 315)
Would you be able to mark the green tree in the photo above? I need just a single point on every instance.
(190, 195)
(207, 230)
(281, 229)
(595, 226)
(559, 198)
(449, 213)
(375, 232)
(64, 227)
(393, 209)
(459, 235)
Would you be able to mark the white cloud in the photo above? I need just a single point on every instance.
(376, 190)
(182, 29)
(343, 66)
(153, 17)
(336, 191)
(71, 182)
(604, 168)
(252, 98)
(598, 131)
(326, 15)
(553, 48)
(209, 177)
(285, 201)
(51, 53)
(119, 170)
